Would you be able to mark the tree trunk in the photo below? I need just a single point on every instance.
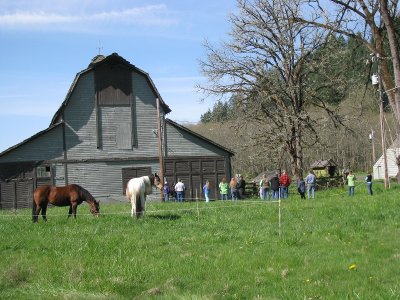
(395, 58)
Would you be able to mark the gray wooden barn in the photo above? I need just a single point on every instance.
(106, 132)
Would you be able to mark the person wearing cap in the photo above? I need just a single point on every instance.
(166, 191)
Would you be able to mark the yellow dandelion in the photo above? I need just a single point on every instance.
(353, 267)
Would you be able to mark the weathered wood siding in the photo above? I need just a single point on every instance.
(145, 116)
(45, 147)
(378, 168)
(104, 179)
(194, 171)
(58, 171)
(80, 117)
(182, 143)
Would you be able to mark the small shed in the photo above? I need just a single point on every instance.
(324, 168)
(392, 152)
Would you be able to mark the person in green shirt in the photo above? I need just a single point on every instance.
(351, 183)
(223, 189)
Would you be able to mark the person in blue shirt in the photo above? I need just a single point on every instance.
(206, 191)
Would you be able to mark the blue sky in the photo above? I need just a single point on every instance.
(44, 43)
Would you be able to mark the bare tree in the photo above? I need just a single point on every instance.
(270, 66)
(373, 23)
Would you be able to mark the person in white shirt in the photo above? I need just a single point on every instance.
(310, 181)
(180, 190)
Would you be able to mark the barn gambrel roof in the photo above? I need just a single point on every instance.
(97, 61)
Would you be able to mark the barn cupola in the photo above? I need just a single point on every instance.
(96, 59)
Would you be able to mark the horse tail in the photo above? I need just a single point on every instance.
(35, 203)
(34, 207)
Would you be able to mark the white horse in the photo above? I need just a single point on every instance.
(138, 188)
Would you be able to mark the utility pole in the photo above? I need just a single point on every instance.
(160, 150)
(371, 138)
(381, 117)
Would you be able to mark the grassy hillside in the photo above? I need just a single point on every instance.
(333, 247)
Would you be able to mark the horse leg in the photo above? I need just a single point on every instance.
(44, 210)
(138, 207)
(74, 207)
(70, 211)
(35, 212)
(133, 202)
(143, 203)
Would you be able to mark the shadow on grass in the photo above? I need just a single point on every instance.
(171, 217)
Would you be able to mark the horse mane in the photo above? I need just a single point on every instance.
(151, 178)
(84, 194)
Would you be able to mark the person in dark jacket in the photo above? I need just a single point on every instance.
(368, 180)
(275, 186)
(301, 187)
(241, 187)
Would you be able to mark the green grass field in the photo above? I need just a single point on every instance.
(333, 247)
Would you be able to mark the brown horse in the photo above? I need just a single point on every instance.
(70, 195)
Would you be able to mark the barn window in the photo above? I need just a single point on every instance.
(113, 84)
(43, 172)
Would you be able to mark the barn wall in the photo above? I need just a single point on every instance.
(58, 173)
(194, 171)
(145, 117)
(391, 154)
(80, 117)
(104, 179)
(182, 143)
(115, 129)
(47, 146)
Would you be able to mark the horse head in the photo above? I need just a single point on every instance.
(95, 208)
(157, 181)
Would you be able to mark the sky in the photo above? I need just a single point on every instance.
(45, 43)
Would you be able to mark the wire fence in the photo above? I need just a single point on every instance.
(228, 204)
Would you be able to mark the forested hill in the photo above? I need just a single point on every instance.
(354, 100)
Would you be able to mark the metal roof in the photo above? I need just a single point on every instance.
(323, 163)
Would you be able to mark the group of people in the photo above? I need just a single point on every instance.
(234, 190)
(351, 182)
(270, 188)
(175, 191)
(278, 186)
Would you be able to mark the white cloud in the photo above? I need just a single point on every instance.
(34, 18)
(146, 15)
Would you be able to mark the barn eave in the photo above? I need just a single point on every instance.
(174, 124)
(30, 138)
